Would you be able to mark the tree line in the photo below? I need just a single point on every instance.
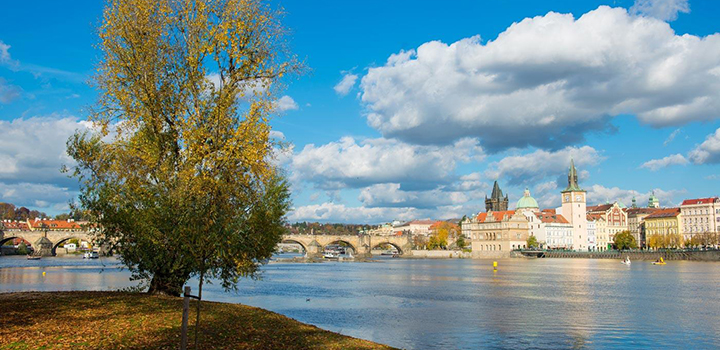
(9, 211)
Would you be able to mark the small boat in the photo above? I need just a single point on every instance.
(331, 255)
(626, 261)
(90, 255)
(34, 257)
(392, 252)
(658, 263)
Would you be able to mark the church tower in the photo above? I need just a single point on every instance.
(496, 202)
(574, 209)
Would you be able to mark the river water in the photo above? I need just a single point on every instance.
(459, 303)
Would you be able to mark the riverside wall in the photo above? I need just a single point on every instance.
(707, 255)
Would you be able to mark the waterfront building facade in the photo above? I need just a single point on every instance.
(558, 232)
(592, 241)
(700, 216)
(497, 233)
(416, 227)
(496, 202)
(664, 222)
(602, 242)
(615, 216)
(636, 223)
(574, 209)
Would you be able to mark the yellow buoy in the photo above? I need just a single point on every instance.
(43, 273)
(495, 264)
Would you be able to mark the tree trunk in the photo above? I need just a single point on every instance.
(197, 319)
(167, 285)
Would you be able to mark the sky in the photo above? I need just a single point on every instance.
(410, 110)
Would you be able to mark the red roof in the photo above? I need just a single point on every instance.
(664, 213)
(594, 217)
(15, 225)
(700, 201)
(599, 208)
(550, 218)
(498, 215)
(551, 211)
(54, 225)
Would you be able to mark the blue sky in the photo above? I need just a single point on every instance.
(411, 110)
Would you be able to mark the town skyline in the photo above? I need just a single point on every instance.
(358, 156)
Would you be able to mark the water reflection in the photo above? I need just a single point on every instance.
(461, 304)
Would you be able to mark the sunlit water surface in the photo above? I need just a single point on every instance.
(456, 304)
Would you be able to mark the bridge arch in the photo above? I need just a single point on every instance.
(294, 241)
(56, 245)
(397, 247)
(7, 239)
(346, 243)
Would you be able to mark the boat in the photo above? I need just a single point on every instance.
(392, 252)
(90, 255)
(660, 261)
(626, 261)
(34, 257)
(331, 255)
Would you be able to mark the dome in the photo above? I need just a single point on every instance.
(526, 201)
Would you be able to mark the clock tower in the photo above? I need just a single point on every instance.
(574, 209)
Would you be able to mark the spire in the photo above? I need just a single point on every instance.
(496, 192)
(572, 178)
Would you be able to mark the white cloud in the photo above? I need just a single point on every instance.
(546, 81)
(536, 166)
(4, 52)
(8, 92)
(278, 135)
(41, 196)
(708, 151)
(343, 87)
(349, 163)
(666, 10)
(657, 164)
(33, 150)
(598, 194)
(286, 103)
(390, 195)
(332, 212)
(671, 137)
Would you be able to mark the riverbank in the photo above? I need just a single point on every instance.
(112, 320)
(691, 255)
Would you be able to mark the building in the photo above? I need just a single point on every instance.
(699, 216)
(558, 232)
(636, 223)
(574, 209)
(416, 227)
(602, 241)
(497, 233)
(616, 219)
(664, 222)
(592, 240)
(496, 202)
(653, 201)
(54, 225)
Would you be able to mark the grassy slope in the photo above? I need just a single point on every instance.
(111, 320)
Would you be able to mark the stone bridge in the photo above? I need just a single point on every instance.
(314, 245)
(54, 238)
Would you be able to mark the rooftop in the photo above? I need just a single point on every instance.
(700, 201)
(664, 213)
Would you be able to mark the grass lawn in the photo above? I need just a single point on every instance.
(113, 320)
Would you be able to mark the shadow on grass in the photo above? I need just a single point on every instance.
(108, 320)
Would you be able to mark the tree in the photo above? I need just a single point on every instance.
(460, 242)
(625, 240)
(441, 233)
(532, 242)
(178, 169)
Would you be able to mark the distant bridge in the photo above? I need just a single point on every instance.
(55, 238)
(362, 245)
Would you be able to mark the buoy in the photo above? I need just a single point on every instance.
(495, 264)
(43, 273)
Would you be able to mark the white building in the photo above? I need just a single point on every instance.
(701, 215)
(416, 227)
(591, 227)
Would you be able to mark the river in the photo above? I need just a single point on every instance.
(458, 303)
